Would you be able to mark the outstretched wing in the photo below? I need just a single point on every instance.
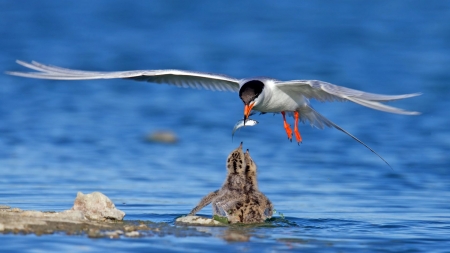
(324, 91)
(179, 78)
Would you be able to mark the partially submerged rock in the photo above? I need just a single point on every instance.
(96, 206)
(72, 222)
(162, 137)
(94, 215)
(198, 220)
(86, 209)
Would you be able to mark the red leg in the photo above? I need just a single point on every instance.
(297, 133)
(287, 127)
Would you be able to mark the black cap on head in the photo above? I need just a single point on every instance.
(250, 90)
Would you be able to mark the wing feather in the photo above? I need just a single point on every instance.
(323, 91)
(180, 78)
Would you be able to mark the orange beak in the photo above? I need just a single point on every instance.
(248, 109)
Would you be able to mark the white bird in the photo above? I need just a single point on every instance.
(266, 95)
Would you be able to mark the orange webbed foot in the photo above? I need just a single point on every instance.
(298, 137)
(287, 127)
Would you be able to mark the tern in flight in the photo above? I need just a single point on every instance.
(266, 95)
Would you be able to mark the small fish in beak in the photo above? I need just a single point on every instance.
(243, 123)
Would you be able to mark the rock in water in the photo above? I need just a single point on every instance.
(197, 220)
(96, 206)
(162, 137)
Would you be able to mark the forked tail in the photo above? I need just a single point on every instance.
(327, 122)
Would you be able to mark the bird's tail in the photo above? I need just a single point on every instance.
(318, 120)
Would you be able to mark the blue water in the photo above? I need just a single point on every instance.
(60, 137)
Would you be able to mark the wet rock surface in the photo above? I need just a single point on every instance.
(17, 221)
(76, 222)
(96, 206)
(199, 221)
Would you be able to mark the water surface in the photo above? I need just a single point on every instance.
(59, 137)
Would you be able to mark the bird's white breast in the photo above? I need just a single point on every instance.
(275, 100)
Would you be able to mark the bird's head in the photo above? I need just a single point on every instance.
(250, 93)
